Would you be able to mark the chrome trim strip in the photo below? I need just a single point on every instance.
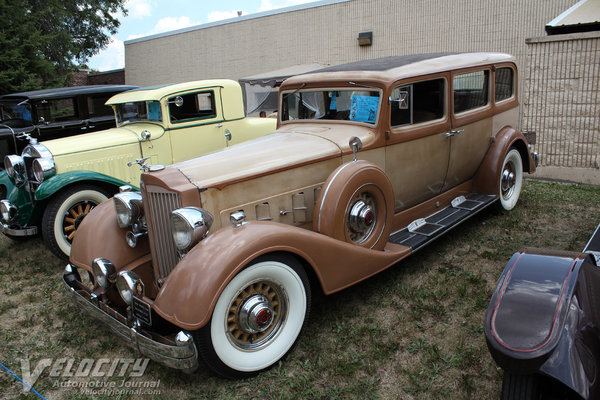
(183, 356)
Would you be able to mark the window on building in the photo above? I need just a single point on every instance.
(471, 90)
(192, 106)
(504, 83)
(418, 102)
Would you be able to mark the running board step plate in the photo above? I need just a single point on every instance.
(424, 230)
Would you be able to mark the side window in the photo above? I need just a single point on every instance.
(192, 106)
(418, 102)
(56, 110)
(471, 90)
(504, 83)
(96, 107)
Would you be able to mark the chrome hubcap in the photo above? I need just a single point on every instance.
(256, 315)
(362, 218)
(508, 181)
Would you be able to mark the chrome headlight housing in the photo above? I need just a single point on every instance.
(36, 150)
(104, 272)
(129, 284)
(14, 166)
(43, 168)
(8, 211)
(129, 208)
(189, 225)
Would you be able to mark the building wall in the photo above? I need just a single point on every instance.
(561, 102)
(326, 32)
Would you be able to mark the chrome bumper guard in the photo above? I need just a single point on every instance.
(181, 354)
(8, 230)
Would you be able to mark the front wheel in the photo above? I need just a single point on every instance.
(257, 317)
(511, 180)
(64, 213)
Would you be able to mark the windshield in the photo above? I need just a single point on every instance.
(340, 105)
(16, 109)
(138, 111)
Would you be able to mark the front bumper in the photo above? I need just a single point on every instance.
(11, 230)
(180, 353)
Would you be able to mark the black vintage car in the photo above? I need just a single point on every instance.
(543, 324)
(53, 113)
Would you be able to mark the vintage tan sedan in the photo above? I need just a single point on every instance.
(216, 257)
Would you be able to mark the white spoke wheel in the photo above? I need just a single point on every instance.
(257, 318)
(64, 213)
(511, 180)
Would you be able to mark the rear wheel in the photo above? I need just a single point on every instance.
(64, 213)
(511, 180)
(257, 317)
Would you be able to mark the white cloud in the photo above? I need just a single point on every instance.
(112, 57)
(139, 8)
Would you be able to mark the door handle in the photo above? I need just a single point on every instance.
(454, 132)
(227, 137)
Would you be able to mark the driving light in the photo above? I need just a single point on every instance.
(189, 225)
(129, 208)
(8, 211)
(43, 168)
(104, 272)
(129, 284)
(36, 151)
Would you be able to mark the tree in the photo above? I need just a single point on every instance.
(42, 41)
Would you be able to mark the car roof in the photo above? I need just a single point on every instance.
(388, 69)
(68, 91)
(160, 91)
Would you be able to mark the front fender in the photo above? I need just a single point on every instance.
(20, 198)
(57, 182)
(529, 307)
(189, 294)
(488, 175)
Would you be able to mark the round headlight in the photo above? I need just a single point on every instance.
(104, 272)
(129, 284)
(36, 150)
(189, 225)
(43, 168)
(14, 166)
(128, 206)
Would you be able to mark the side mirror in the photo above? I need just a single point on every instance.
(178, 101)
(356, 145)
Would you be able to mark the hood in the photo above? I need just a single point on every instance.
(114, 137)
(290, 146)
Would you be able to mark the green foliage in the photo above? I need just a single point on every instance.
(42, 41)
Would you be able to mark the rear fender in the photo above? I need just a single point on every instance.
(529, 307)
(190, 292)
(488, 175)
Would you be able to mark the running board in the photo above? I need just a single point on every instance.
(425, 230)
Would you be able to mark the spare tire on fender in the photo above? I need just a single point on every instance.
(356, 205)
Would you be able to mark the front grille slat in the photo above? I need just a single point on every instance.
(159, 204)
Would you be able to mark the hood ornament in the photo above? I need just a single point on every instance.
(144, 166)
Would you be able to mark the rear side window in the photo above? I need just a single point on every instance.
(56, 110)
(504, 83)
(96, 107)
(418, 102)
(471, 90)
(192, 106)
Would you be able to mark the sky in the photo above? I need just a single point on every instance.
(149, 17)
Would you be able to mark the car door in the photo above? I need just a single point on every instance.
(196, 123)
(418, 148)
(472, 120)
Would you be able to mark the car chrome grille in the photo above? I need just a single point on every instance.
(159, 203)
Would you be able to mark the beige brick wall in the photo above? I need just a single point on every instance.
(326, 32)
(561, 100)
